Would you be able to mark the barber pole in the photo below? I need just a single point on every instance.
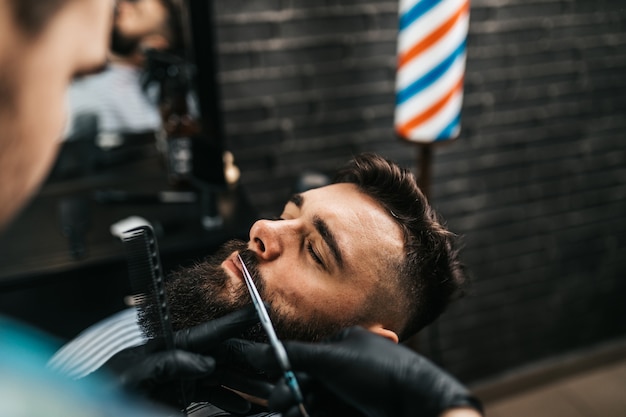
(431, 65)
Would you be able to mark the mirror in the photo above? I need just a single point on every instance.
(157, 98)
(144, 141)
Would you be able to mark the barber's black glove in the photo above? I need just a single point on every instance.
(367, 372)
(160, 375)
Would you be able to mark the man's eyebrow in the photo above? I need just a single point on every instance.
(322, 228)
(329, 238)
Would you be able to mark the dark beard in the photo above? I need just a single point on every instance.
(123, 45)
(198, 294)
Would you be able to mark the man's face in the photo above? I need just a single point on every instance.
(34, 75)
(317, 266)
(135, 22)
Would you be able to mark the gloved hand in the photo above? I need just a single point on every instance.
(164, 375)
(366, 372)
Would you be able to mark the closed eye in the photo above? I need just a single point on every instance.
(309, 247)
(316, 258)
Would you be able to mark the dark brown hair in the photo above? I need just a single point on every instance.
(174, 25)
(431, 274)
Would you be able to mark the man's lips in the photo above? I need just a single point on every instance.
(233, 267)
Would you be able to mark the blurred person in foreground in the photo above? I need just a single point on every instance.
(44, 44)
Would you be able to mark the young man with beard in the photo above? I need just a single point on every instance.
(365, 251)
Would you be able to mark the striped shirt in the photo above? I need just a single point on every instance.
(117, 98)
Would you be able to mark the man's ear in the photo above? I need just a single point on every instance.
(382, 331)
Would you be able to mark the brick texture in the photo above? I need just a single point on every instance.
(536, 183)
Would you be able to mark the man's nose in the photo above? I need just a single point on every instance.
(268, 238)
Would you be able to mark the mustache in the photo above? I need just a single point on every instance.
(252, 264)
(250, 258)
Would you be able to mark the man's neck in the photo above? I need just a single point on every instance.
(135, 60)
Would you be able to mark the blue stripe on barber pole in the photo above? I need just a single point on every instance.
(452, 129)
(415, 12)
(430, 77)
(431, 66)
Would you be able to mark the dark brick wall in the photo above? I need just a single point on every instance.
(535, 183)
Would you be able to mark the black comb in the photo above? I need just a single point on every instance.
(146, 279)
(148, 285)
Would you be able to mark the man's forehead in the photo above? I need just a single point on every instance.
(341, 196)
(339, 192)
(358, 221)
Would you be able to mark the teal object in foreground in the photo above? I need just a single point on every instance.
(29, 388)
